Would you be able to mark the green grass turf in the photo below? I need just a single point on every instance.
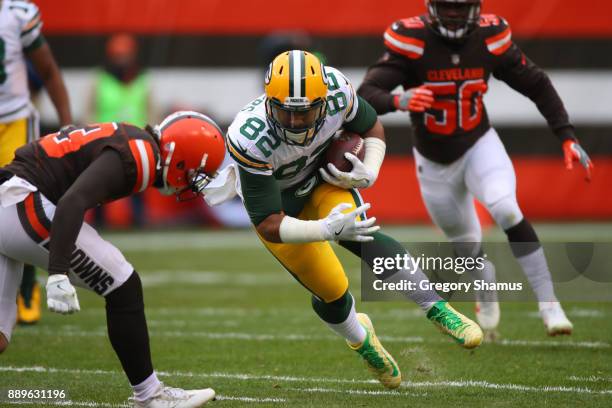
(223, 314)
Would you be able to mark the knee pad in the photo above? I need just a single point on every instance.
(523, 239)
(505, 211)
(127, 297)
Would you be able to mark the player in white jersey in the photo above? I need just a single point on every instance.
(278, 141)
(20, 38)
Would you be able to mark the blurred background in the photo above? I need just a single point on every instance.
(138, 60)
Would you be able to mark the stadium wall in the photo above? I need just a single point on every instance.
(207, 55)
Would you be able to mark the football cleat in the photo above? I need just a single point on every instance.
(449, 321)
(377, 359)
(555, 320)
(487, 314)
(168, 397)
(29, 314)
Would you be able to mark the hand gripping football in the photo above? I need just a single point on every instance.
(344, 142)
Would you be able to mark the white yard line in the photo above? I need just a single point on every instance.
(406, 384)
(249, 399)
(574, 312)
(591, 378)
(70, 403)
(163, 278)
(463, 384)
(553, 343)
(229, 376)
(93, 404)
(245, 336)
(185, 240)
(359, 392)
(506, 387)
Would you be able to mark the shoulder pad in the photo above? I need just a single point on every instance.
(497, 33)
(25, 12)
(242, 137)
(338, 82)
(405, 37)
(338, 78)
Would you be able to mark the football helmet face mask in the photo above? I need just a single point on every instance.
(296, 91)
(454, 19)
(192, 148)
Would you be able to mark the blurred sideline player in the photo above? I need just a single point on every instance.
(443, 60)
(122, 92)
(278, 141)
(44, 194)
(21, 38)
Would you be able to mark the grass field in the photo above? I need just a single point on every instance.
(223, 314)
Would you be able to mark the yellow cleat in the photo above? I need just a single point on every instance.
(463, 330)
(377, 359)
(29, 315)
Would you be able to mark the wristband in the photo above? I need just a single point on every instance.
(292, 230)
(374, 154)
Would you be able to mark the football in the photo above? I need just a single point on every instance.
(344, 142)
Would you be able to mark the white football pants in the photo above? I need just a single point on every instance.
(448, 190)
(24, 238)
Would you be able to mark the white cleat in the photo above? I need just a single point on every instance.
(488, 314)
(555, 320)
(168, 397)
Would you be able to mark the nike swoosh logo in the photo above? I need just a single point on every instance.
(339, 232)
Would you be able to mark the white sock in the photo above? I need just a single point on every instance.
(487, 274)
(350, 329)
(147, 388)
(535, 268)
(425, 299)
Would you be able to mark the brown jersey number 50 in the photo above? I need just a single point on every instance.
(461, 106)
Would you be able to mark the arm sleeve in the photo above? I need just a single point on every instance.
(364, 119)
(101, 181)
(261, 195)
(384, 76)
(522, 75)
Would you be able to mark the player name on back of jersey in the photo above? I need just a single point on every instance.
(455, 74)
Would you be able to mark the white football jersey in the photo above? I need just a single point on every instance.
(254, 146)
(20, 28)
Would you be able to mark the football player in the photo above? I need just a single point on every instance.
(44, 194)
(278, 141)
(443, 60)
(21, 38)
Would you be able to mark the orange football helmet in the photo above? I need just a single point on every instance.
(192, 149)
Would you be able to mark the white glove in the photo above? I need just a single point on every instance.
(61, 295)
(338, 226)
(359, 177)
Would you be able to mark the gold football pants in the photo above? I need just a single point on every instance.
(15, 134)
(314, 264)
